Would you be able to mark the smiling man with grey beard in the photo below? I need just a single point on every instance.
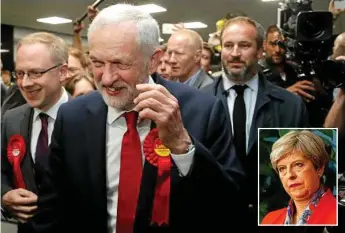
(131, 157)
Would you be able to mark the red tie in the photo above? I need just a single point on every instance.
(130, 176)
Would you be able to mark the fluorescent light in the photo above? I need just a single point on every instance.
(194, 25)
(54, 20)
(152, 8)
(169, 28)
(4, 50)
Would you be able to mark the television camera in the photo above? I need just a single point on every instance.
(308, 42)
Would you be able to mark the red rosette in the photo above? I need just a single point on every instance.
(15, 153)
(159, 156)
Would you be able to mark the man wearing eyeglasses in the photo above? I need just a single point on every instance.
(41, 66)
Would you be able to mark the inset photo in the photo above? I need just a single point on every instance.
(297, 177)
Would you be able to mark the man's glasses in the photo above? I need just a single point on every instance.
(33, 74)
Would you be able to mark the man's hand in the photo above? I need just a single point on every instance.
(300, 88)
(78, 27)
(157, 104)
(335, 12)
(92, 12)
(340, 58)
(21, 203)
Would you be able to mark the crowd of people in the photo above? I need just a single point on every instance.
(129, 135)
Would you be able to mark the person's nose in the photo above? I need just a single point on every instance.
(163, 66)
(172, 58)
(290, 173)
(109, 75)
(276, 49)
(26, 81)
(235, 52)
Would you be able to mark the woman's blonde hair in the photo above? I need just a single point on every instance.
(307, 143)
(78, 54)
(70, 86)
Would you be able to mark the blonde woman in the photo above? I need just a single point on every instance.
(300, 158)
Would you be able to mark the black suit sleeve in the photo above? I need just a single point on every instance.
(3, 93)
(217, 154)
(6, 168)
(51, 195)
(13, 99)
(304, 116)
(216, 174)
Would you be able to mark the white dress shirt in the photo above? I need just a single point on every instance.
(37, 125)
(249, 96)
(116, 128)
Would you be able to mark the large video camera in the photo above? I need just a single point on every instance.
(309, 41)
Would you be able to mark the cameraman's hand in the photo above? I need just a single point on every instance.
(92, 12)
(301, 88)
(340, 58)
(21, 203)
(335, 12)
(78, 27)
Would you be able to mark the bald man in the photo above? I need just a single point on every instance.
(185, 50)
(339, 44)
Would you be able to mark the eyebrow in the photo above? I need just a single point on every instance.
(295, 161)
(93, 57)
(113, 59)
(239, 42)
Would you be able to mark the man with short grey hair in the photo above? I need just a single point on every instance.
(132, 157)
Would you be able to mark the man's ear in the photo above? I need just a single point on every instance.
(265, 45)
(197, 56)
(154, 61)
(63, 72)
(260, 54)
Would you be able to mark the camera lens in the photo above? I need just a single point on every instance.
(312, 27)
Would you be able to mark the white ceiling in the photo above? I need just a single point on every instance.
(23, 13)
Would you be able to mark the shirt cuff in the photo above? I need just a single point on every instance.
(184, 161)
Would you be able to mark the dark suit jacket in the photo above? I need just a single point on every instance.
(18, 121)
(275, 107)
(13, 99)
(3, 93)
(202, 80)
(74, 198)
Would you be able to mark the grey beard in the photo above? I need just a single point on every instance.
(244, 76)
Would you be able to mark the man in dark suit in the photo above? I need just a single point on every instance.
(181, 171)
(252, 101)
(185, 51)
(13, 98)
(3, 93)
(41, 65)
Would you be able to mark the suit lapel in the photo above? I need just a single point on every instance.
(199, 80)
(27, 164)
(219, 92)
(95, 143)
(260, 118)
